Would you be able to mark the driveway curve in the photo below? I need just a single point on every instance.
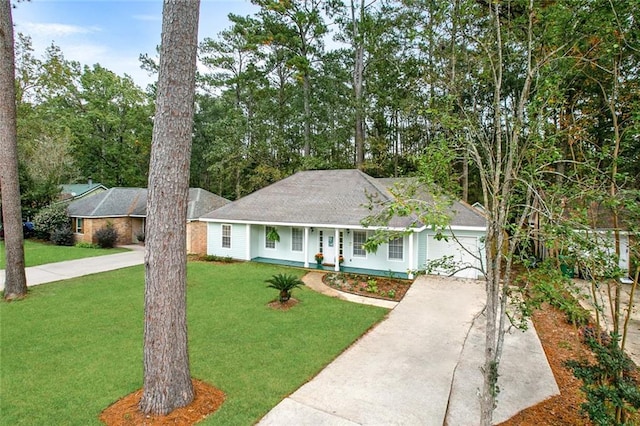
(420, 366)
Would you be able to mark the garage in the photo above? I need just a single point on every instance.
(464, 251)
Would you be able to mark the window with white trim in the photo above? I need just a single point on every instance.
(359, 238)
(271, 244)
(226, 236)
(296, 239)
(396, 248)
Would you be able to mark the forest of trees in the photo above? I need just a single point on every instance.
(385, 86)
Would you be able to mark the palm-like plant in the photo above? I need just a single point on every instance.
(284, 283)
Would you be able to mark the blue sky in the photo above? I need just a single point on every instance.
(112, 32)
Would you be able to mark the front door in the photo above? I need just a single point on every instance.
(329, 247)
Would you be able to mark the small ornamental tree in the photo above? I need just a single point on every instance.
(284, 283)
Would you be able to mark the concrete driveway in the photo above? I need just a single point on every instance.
(50, 272)
(421, 366)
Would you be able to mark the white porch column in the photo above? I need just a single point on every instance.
(337, 250)
(247, 237)
(306, 247)
(411, 256)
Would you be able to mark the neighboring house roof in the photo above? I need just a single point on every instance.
(322, 197)
(78, 190)
(202, 202)
(120, 202)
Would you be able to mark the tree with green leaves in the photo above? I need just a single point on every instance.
(495, 109)
(284, 283)
(45, 154)
(110, 121)
(298, 27)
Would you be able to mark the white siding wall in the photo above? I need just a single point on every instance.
(425, 247)
(238, 241)
(378, 260)
(282, 250)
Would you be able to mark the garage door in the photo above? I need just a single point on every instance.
(437, 249)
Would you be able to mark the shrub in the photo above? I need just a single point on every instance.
(106, 236)
(140, 236)
(83, 244)
(613, 395)
(62, 236)
(284, 283)
(548, 284)
(214, 258)
(51, 219)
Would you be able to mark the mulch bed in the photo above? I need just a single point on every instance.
(283, 306)
(125, 411)
(368, 286)
(562, 342)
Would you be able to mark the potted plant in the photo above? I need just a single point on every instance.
(319, 258)
(284, 283)
(340, 261)
(273, 235)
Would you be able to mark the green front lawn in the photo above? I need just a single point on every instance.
(72, 348)
(38, 253)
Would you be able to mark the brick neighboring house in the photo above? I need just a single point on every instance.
(126, 210)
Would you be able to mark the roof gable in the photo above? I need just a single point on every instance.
(119, 202)
(78, 190)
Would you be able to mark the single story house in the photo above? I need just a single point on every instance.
(126, 210)
(321, 211)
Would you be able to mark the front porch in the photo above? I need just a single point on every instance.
(331, 268)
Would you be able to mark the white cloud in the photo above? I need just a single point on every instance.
(86, 53)
(56, 29)
(148, 18)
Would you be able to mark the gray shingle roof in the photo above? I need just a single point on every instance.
(461, 213)
(118, 202)
(201, 202)
(321, 197)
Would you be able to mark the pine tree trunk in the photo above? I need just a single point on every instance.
(167, 378)
(15, 278)
(307, 113)
(358, 79)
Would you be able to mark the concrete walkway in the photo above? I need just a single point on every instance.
(313, 280)
(50, 272)
(421, 366)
